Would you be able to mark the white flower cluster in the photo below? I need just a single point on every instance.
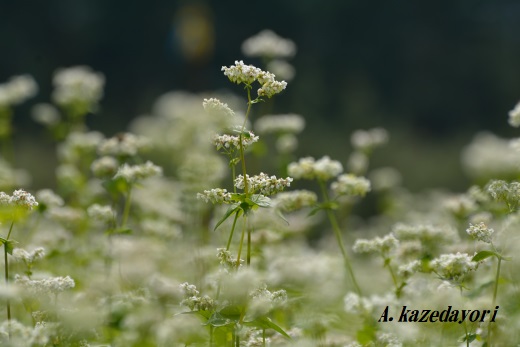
(232, 142)
(514, 116)
(45, 114)
(101, 213)
(295, 200)
(460, 205)
(268, 44)
(216, 196)
(282, 69)
(104, 167)
(263, 183)
(433, 234)
(385, 178)
(77, 84)
(227, 260)
(407, 270)
(21, 254)
(215, 106)
(353, 303)
(17, 90)
(133, 173)
(366, 140)
(453, 266)
(193, 300)
(350, 185)
(309, 168)
(77, 144)
(48, 198)
(19, 198)
(125, 144)
(283, 123)
(247, 74)
(263, 300)
(480, 232)
(382, 245)
(51, 285)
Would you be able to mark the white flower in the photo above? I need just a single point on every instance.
(382, 245)
(125, 144)
(283, 123)
(21, 254)
(229, 143)
(77, 84)
(49, 198)
(45, 114)
(216, 196)
(264, 184)
(350, 185)
(247, 74)
(407, 270)
(17, 90)
(214, 105)
(480, 232)
(366, 140)
(282, 69)
(267, 44)
(514, 116)
(101, 213)
(309, 168)
(453, 266)
(295, 200)
(133, 173)
(21, 198)
(105, 166)
(353, 303)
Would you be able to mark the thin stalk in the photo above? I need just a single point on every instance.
(241, 242)
(6, 265)
(242, 157)
(248, 258)
(339, 239)
(232, 231)
(126, 210)
(394, 277)
(495, 291)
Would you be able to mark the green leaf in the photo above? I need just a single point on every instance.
(260, 200)
(229, 212)
(217, 320)
(280, 214)
(8, 244)
(231, 312)
(266, 323)
(204, 314)
(485, 254)
(330, 205)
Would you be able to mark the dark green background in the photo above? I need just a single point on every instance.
(432, 72)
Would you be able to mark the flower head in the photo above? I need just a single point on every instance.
(480, 232)
(351, 185)
(514, 116)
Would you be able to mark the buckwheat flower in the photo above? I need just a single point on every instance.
(357, 163)
(45, 114)
(125, 144)
(215, 106)
(77, 84)
(434, 235)
(271, 87)
(227, 260)
(353, 303)
(283, 123)
(21, 198)
(286, 143)
(268, 44)
(387, 340)
(407, 270)
(5, 199)
(101, 213)
(453, 266)
(382, 245)
(350, 185)
(48, 198)
(229, 143)
(215, 196)
(480, 232)
(282, 69)
(21, 254)
(104, 167)
(133, 173)
(303, 169)
(325, 168)
(366, 140)
(66, 215)
(514, 116)
(294, 200)
(241, 73)
(17, 90)
(79, 144)
(264, 184)
(498, 189)
(460, 205)
(385, 178)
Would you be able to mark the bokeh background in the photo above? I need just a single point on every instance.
(434, 73)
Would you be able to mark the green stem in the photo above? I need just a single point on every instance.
(6, 265)
(126, 210)
(394, 277)
(248, 258)
(242, 157)
(337, 233)
(241, 242)
(232, 230)
(495, 291)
